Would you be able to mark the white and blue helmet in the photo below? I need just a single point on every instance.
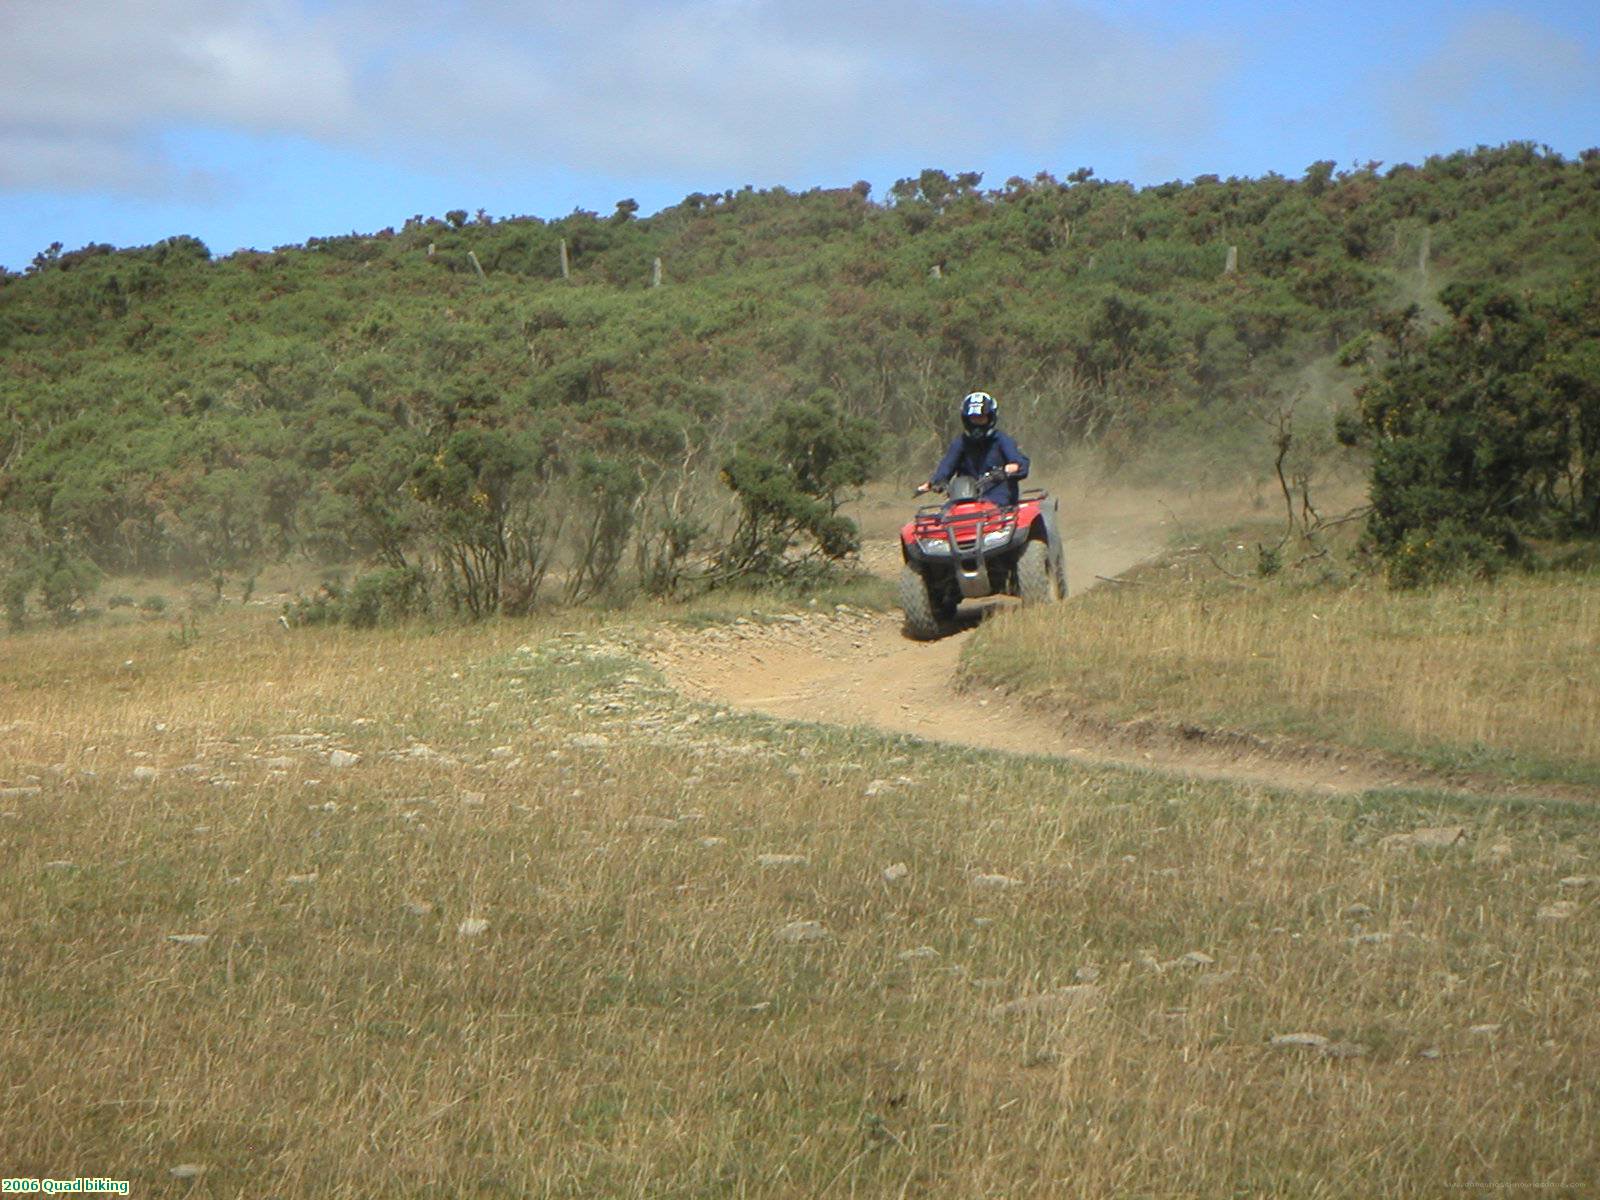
(979, 416)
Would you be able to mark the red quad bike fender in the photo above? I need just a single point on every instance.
(965, 535)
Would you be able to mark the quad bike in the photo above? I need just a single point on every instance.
(968, 547)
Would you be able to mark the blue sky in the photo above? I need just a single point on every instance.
(265, 122)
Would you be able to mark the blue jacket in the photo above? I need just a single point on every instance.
(976, 458)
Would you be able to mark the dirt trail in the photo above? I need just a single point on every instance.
(852, 667)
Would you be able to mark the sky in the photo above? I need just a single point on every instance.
(259, 123)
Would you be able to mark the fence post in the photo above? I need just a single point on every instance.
(655, 274)
(566, 263)
(478, 267)
(1231, 267)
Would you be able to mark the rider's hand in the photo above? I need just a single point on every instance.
(1012, 468)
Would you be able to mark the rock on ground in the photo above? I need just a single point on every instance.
(995, 881)
(1345, 1050)
(1435, 837)
(796, 932)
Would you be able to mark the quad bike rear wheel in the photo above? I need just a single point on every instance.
(922, 620)
(1037, 583)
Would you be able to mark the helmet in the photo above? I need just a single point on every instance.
(979, 416)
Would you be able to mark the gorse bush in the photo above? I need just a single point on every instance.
(1485, 433)
(384, 597)
(790, 476)
(57, 575)
(1442, 551)
(65, 580)
(14, 591)
(466, 492)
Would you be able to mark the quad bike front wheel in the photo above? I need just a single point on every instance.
(922, 620)
(1037, 582)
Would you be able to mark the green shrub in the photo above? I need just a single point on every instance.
(319, 608)
(383, 597)
(378, 598)
(664, 554)
(791, 474)
(65, 579)
(1485, 433)
(1446, 551)
(153, 605)
(14, 594)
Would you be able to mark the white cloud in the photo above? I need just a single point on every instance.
(766, 87)
(89, 86)
(722, 88)
(1491, 65)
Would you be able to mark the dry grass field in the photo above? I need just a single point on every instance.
(495, 913)
(1503, 679)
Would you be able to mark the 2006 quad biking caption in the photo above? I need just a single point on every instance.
(966, 548)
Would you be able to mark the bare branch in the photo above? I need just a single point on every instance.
(1203, 550)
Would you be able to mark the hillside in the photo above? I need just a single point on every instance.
(164, 409)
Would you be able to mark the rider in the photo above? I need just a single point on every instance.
(981, 448)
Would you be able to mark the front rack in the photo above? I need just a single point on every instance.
(936, 511)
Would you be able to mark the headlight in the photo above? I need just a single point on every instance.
(998, 538)
(934, 545)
